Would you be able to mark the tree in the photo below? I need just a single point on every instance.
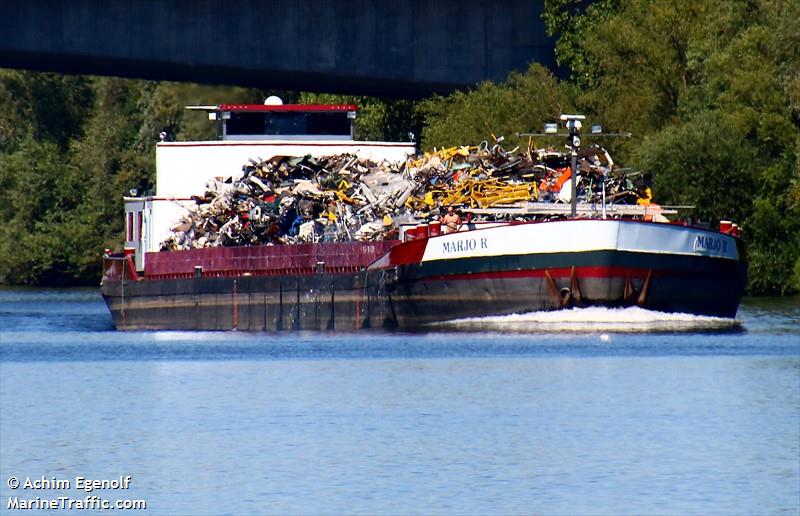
(708, 88)
(34, 189)
(70, 148)
(377, 118)
(45, 106)
(571, 21)
(522, 103)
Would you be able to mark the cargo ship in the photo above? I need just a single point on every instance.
(537, 256)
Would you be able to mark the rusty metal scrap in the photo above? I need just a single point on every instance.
(287, 199)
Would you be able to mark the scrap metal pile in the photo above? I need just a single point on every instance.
(288, 200)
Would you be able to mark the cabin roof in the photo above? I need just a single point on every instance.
(306, 108)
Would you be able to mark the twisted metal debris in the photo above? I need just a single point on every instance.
(289, 200)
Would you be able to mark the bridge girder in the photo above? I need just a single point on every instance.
(403, 48)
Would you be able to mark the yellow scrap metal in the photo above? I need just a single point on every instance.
(444, 154)
(481, 193)
(344, 198)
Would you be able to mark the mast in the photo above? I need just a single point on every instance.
(574, 139)
(573, 124)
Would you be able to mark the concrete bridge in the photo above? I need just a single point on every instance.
(403, 48)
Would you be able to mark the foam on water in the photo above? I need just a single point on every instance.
(594, 319)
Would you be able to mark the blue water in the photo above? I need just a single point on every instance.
(563, 421)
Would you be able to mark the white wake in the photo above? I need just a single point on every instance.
(594, 319)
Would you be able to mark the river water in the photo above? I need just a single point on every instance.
(601, 412)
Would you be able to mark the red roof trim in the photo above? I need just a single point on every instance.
(288, 143)
(288, 107)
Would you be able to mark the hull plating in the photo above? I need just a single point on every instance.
(498, 271)
(411, 297)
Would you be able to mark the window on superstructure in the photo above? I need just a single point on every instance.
(288, 123)
(245, 123)
(329, 123)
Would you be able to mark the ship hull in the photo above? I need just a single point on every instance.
(701, 287)
(266, 288)
(565, 264)
(315, 303)
(471, 274)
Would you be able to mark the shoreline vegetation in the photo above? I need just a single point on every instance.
(709, 89)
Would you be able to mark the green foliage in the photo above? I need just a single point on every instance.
(795, 286)
(44, 191)
(638, 63)
(70, 148)
(705, 164)
(710, 89)
(377, 119)
(44, 106)
(521, 104)
(571, 21)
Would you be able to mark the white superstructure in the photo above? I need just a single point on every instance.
(246, 132)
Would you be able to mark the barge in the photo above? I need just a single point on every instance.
(608, 256)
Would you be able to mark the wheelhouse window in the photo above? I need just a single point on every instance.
(245, 123)
(289, 123)
(308, 123)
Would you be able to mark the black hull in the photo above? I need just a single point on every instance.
(410, 297)
(249, 303)
(476, 288)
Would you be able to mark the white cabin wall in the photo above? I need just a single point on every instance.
(184, 168)
(164, 215)
(135, 233)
